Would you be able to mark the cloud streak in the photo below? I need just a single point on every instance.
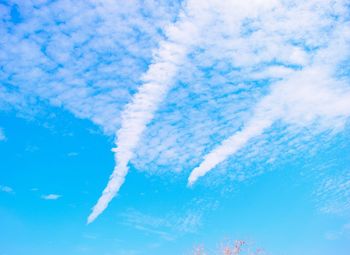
(82, 56)
(157, 81)
(229, 147)
(51, 197)
(2, 135)
(283, 103)
(226, 71)
(312, 95)
(248, 47)
(7, 189)
(168, 226)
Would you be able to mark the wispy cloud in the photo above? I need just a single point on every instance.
(51, 197)
(344, 231)
(2, 135)
(261, 46)
(216, 76)
(230, 72)
(158, 79)
(6, 189)
(72, 154)
(168, 227)
(229, 147)
(333, 194)
(320, 98)
(85, 57)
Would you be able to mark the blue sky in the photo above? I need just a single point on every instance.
(213, 121)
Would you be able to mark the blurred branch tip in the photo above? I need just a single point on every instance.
(237, 247)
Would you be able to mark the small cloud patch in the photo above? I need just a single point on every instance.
(2, 135)
(72, 154)
(51, 197)
(6, 189)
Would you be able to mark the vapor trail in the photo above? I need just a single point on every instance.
(319, 97)
(229, 146)
(157, 82)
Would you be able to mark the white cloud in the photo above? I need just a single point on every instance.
(72, 154)
(84, 56)
(6, 189)
(266, 42)
(227, 75)
(344, 231)
(51, 197)
(229, 147)
(252, 58)
(333, 194)
(158, 79)
(2, 135)
(169, 227)
(312, 95)
(319, 99)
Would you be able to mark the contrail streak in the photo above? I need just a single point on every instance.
(228, 147)
(319, 97)
(157, 82)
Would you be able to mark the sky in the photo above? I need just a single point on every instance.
(154, 126)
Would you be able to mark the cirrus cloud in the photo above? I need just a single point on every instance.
(51, 197)
(183, 82)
